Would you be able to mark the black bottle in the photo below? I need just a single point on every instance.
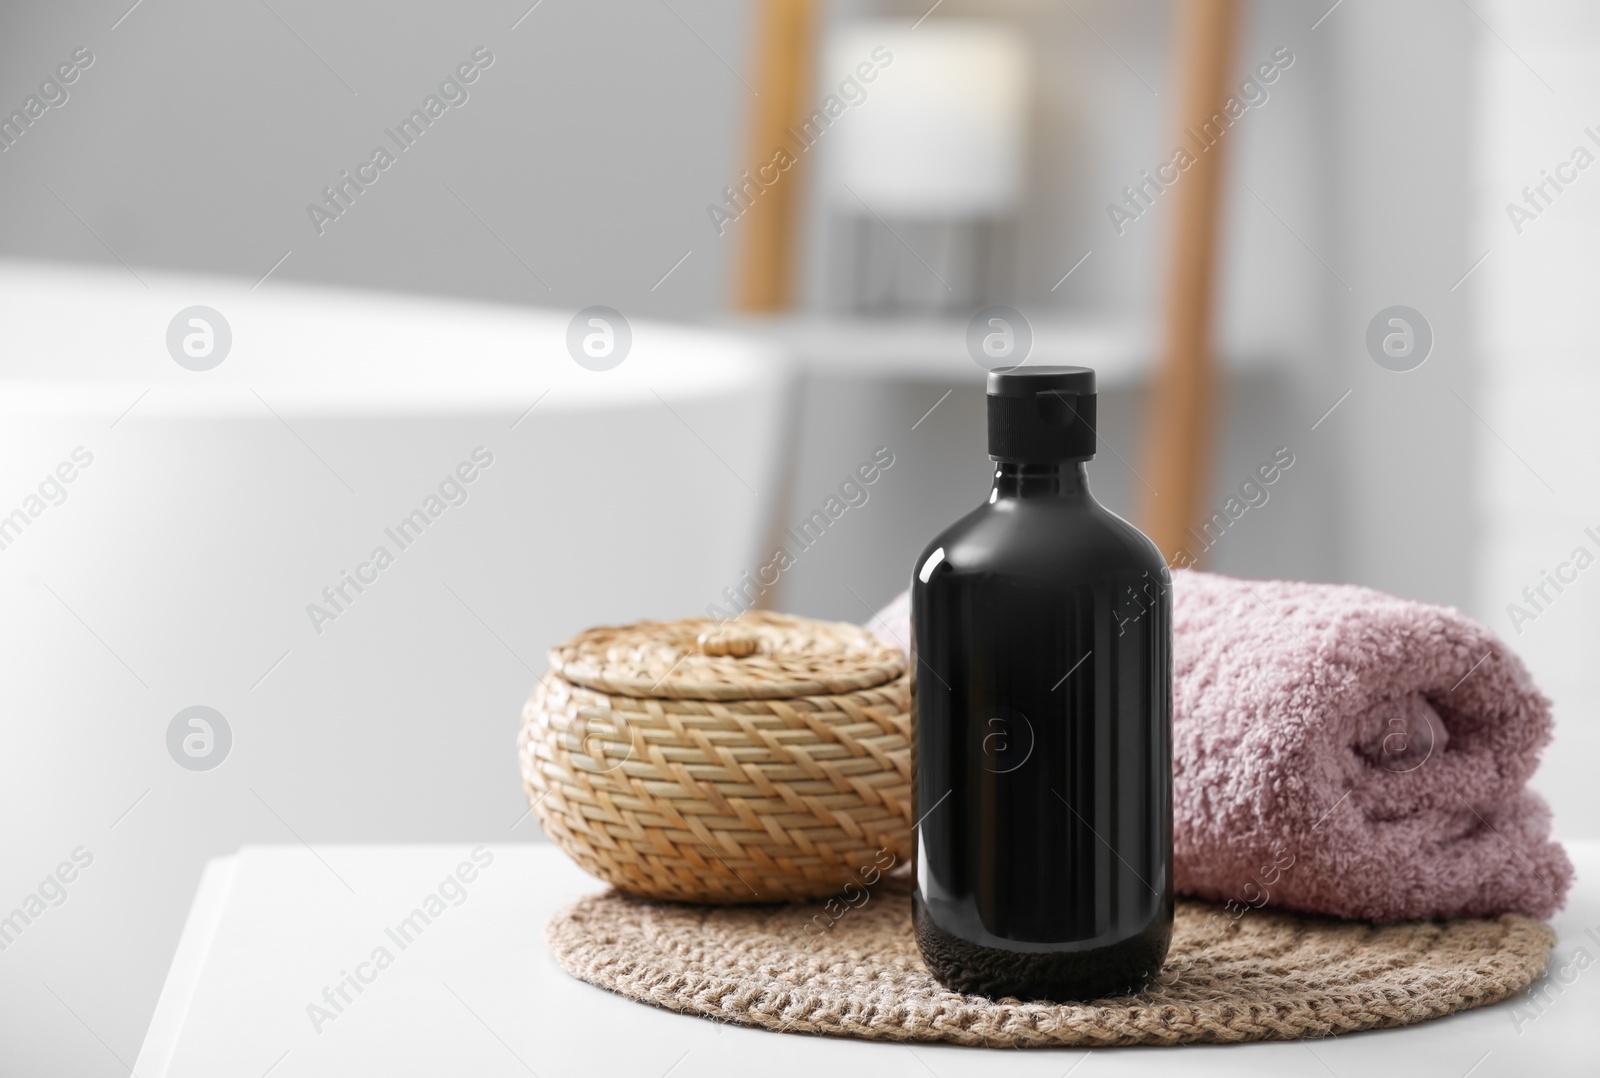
(1041, 629)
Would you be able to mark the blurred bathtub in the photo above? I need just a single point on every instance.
(176, 568)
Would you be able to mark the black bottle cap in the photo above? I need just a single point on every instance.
(1041, 414)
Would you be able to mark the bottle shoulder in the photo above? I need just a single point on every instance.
(1045, 537)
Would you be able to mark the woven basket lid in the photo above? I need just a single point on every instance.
(757, 656)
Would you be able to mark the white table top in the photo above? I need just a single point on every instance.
(477, 993)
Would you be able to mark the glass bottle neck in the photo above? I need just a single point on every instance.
(1054, 479)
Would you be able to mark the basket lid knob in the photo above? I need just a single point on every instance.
(738, 642)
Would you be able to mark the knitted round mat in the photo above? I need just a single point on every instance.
(1269, 975)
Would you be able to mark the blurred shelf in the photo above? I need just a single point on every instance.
(1123, 354)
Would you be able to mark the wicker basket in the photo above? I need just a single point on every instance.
(763, 762)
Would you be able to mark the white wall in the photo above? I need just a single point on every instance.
(201, 132)
(1533, 299)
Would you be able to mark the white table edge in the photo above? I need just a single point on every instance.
(188, 962)
(163, 1038)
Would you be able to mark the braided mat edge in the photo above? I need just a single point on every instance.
(839, 970)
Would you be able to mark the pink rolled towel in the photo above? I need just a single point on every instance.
(1347, 752)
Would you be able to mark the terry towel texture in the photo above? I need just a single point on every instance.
(1347, 752)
